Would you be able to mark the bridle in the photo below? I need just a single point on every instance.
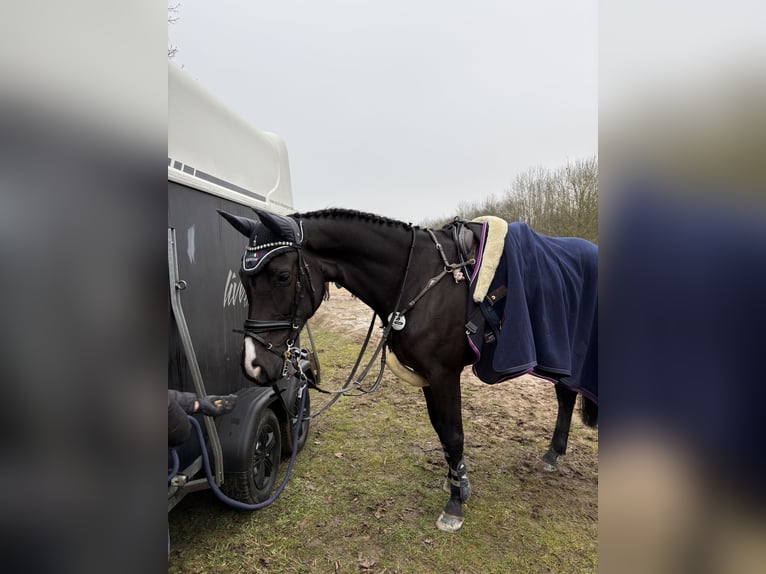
(254, 328)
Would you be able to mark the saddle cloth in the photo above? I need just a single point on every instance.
(540, 312)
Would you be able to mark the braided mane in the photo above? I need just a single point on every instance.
(338, 213)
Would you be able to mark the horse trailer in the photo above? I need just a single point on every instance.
(217, 161)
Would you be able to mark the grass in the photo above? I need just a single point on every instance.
(366, 491)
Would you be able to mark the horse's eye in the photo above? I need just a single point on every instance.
(283, 277)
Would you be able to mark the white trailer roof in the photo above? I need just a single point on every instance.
(213, 149)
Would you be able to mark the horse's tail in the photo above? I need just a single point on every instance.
(589, 412)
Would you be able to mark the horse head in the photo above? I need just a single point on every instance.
(283, 290)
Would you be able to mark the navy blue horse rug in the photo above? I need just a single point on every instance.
(539, 312)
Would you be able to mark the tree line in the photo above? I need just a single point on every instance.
(561, 202)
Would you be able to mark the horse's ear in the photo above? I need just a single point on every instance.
(281, 226)
(242, 224)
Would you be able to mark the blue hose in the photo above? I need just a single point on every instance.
(236, 503)
(302, 392)
(176, 463)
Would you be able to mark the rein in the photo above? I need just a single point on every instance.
(348, 386)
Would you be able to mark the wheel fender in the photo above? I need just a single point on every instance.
(237, 428)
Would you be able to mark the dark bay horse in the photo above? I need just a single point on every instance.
(385, 263)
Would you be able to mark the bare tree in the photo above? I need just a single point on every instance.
(560, 202)
(172, 19)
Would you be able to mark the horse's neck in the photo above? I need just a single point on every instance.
(367, 258)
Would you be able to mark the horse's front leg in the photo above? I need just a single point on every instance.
(444, 410)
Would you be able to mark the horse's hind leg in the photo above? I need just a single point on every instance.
(566, 399)
(444, 404)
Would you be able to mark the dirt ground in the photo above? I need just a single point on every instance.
(528, 402)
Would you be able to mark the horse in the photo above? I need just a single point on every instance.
(285, 270)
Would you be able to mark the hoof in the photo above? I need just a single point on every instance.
(449, 523)
(550, 461)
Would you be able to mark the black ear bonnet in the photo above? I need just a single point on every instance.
(271, 236)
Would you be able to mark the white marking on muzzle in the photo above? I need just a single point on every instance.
(250, 367)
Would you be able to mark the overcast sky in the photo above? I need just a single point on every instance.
(402, 108)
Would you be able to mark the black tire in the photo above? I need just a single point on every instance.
(288, 428)
(255, 484)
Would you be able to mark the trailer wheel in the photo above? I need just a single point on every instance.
(289, 428)
(255, 483)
